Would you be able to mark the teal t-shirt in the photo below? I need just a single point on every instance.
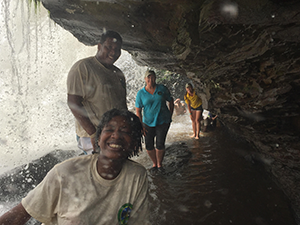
(155, 110)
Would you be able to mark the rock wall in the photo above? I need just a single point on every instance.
(243, 56)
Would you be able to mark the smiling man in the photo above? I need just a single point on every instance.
(95, 86)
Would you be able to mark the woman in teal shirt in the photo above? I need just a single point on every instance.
(156, 117)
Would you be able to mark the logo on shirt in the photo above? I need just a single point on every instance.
(159, 93)
(124, 213)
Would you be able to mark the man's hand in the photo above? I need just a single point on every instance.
(93, 143)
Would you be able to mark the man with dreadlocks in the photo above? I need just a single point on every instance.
(103, 188)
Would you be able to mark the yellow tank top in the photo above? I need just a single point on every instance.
(194, 101)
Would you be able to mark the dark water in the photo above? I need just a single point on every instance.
(209, 183)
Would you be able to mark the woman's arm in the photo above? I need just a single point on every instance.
(189, 108)
(139, 114)
(171, 107)
(16, 216)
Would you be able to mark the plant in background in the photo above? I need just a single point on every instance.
(175, 82)
(37, 3)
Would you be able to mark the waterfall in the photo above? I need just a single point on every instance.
(36, 55)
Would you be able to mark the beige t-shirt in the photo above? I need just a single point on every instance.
(73, 193)
(102, 89)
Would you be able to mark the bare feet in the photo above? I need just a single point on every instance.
(197, 137)
(193, 136)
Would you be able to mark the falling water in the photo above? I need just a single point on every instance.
(36, 55)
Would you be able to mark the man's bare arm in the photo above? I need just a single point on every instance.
(78, 110)
(16, 216)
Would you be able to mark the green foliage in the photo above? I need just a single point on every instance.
(215, 85)
(173, 81)
(165, 76)
(37, 3)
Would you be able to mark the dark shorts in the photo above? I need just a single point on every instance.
(160, 132)
(198, 108)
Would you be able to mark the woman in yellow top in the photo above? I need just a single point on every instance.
(194, 104)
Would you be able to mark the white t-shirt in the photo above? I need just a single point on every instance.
(73, 193)
(102, 89)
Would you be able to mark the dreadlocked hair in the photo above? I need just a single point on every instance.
(135, 127)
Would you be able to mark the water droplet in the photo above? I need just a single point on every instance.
(230, 10)
(207, 203)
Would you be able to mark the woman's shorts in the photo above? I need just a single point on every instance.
(198, 108)
(160, 132)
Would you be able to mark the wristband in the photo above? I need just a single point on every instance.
(190, 113)
(93, 135)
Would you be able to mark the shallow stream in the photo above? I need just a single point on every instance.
(209, 181)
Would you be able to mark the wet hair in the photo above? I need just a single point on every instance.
(110, 34)
(135, 127)
(188, 85)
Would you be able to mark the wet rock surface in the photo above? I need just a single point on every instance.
(242, 56)
(15, 184)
